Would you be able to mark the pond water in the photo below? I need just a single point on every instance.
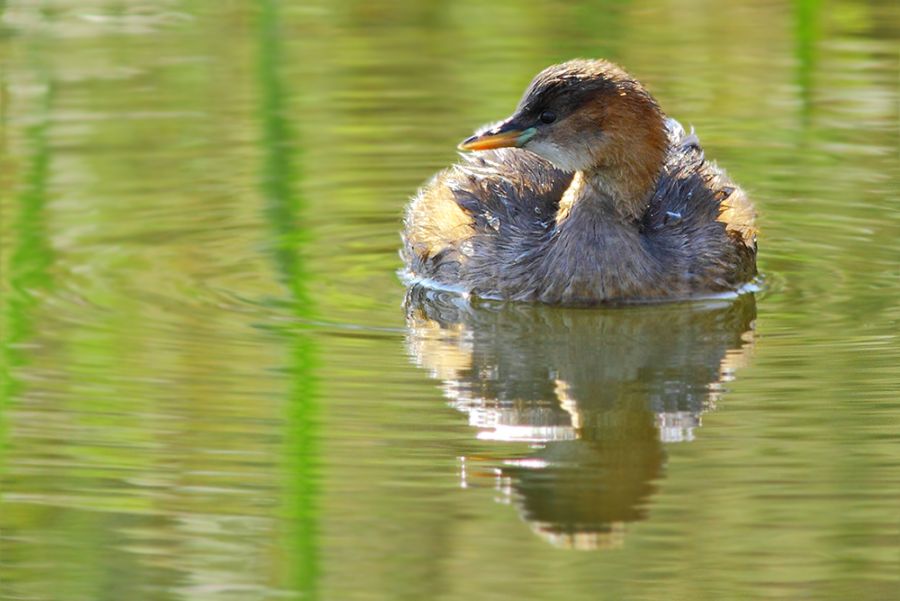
(214, 386)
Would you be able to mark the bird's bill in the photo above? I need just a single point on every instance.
(502, 136)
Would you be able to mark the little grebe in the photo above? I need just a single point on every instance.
(599, 198)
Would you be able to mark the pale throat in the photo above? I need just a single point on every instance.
(608, 195)
(592, 229)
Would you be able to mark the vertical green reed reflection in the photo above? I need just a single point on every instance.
(29, 260)
(806, 13)
(283, 205)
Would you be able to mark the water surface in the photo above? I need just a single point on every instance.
(214, 385)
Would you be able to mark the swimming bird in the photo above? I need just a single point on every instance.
(587, 194)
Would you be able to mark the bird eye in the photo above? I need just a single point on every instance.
(548, 116)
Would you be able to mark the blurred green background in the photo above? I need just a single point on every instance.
(211, 388)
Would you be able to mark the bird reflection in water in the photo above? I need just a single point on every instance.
(595, 392)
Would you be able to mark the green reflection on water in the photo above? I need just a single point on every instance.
(30, 259)
(284, 208)
(806, 32)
